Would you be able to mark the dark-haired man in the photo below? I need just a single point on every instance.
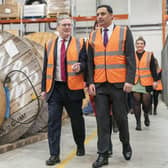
(111, 67)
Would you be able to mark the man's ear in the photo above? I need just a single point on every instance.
(112, 16)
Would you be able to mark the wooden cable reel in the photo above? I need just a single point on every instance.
(17, 57)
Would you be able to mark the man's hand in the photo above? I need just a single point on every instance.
(92, 90)
(43, 95)
(128, 87)
(76, 67)
(155, 84)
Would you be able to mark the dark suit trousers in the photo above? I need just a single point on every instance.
(58, 99)
(106, 94)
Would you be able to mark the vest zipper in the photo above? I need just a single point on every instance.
(105, 64)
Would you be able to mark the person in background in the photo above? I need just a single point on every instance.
(111, 69)
(158, 89)
(145, 81)
(62, 85)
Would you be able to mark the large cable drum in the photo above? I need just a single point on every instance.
(21, 73)
(41, 37)
(38, 40)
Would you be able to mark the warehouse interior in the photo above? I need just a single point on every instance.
(25, 28)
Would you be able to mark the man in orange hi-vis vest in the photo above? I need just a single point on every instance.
(111, 69)
(62, 85)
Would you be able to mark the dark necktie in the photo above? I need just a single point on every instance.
(63, 68)
(105, 40)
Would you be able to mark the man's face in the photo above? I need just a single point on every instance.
(104, 18)
(140, 46)
(65, 28)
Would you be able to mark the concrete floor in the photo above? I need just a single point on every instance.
(150, 147)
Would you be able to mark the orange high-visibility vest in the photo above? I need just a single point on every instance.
(110, 61)
(143, 72)
(75, 81)
(159, 85)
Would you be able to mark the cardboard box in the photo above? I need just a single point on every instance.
(58, 6)
(9, 11)
(38, 10)
(10, 2)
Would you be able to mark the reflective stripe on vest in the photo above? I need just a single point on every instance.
(110, 62)
(50, 64)
(75, 81)
(143, 73)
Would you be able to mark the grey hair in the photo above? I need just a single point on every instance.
(62, 17)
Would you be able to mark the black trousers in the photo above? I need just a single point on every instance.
(59, 98)
(105, 95)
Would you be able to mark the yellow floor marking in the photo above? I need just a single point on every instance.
(72, 154)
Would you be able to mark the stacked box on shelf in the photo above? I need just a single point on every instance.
(9, 11)
(56, 7)
(10, 2)
(34, 11)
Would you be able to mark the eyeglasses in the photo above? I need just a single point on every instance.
(66, 25)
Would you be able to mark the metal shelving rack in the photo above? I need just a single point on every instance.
(24, 22)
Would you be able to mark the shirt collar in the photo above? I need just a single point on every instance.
(110, 28)
(60, 38)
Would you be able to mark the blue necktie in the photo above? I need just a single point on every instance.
(105, 40)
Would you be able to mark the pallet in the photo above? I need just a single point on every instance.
(9, 18)
(34, 17)
(56, 15)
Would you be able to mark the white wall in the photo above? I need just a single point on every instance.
(146, 12)
(119, 6)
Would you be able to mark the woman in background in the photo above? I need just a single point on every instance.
(145, 81)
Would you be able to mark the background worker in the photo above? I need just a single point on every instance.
(145, 82)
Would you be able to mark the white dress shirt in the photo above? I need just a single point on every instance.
(58, 61)
(109, 32)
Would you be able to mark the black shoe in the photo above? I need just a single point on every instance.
(80, 151)
(52, 160)
(155, 112)
(147, 121)
(127, 151)
(138, 127)
(101, 160)
(110, 153)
